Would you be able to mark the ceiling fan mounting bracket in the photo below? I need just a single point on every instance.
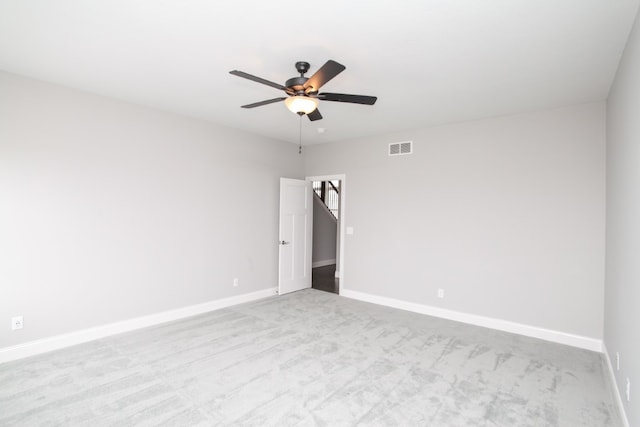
(302, 67)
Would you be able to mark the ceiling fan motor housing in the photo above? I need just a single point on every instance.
(296, 84)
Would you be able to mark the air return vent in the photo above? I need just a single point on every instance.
(400, 148)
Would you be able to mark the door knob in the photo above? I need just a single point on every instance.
(282, 242)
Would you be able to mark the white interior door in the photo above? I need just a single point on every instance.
(296, 231)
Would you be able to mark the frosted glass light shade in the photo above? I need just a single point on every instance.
(301, 104)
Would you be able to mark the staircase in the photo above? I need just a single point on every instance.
(329, 193)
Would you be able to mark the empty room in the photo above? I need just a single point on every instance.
(278, 213)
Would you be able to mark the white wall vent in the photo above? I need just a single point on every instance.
(400, 148)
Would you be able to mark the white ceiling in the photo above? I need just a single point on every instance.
(428, 61)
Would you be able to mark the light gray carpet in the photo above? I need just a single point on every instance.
(310, 359)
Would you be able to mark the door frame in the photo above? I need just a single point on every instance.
(343, 212)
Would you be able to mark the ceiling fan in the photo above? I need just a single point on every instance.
(302, 92)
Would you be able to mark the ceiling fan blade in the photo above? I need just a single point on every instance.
(343, 97)
(328, 71)
(268, 101)
(256, 79)
(315, 115)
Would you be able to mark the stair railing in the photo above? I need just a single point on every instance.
(329, 194)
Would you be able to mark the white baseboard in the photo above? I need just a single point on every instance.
(32, 348)
(487, 322)
(616, 390)
(323, 263)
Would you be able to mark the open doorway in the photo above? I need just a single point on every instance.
(328, 212)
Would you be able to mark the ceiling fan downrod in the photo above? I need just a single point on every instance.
(296, 84)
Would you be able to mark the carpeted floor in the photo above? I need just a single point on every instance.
(310, 358)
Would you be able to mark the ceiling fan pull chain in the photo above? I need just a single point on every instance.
(300, 139)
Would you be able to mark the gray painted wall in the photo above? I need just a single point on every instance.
(622, 317)
(324, 232)
(506, 214)
(110, 211)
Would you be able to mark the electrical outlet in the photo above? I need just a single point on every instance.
(617, 360)
(235, 282)
(440, 293)
(17, 322)
(628, 390)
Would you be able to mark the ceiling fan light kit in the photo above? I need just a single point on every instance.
(300, 104)
(302, 92)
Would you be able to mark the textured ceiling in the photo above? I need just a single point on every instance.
(428, 61)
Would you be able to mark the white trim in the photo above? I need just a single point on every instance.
(56, 342)
(616, 390)
(337, 275)
(487, 322)
(341, 222)
(323, 263)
